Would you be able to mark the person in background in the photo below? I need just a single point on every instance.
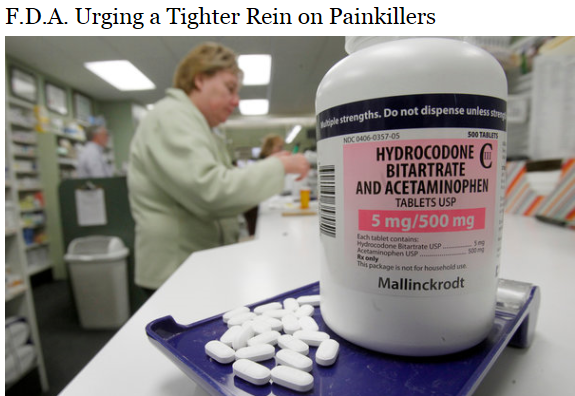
(272, 144)
(92, 161)
(184, 192)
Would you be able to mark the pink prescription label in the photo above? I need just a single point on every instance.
(425, 185)
(426, 202)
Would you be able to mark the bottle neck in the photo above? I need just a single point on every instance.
(356, 43)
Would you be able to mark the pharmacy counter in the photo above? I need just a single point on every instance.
(284, 256)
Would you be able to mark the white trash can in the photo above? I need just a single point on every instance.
(99, 276)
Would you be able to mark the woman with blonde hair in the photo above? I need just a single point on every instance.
(272, 144)
(185, 194)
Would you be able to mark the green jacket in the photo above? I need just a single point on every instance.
(185, 194)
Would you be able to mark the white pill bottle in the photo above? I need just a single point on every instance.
(411, 161)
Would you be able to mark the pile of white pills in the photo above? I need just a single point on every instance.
(252, 337)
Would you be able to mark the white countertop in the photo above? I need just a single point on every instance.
(284, 256)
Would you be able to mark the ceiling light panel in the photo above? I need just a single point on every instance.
(121, 74)
(293, 133)
(257, 69)
(254, 106)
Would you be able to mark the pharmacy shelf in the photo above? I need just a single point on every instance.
(13, 292)
(24, 155)
(10, 232)
(36, 269)
(68, 162)
(31, 210)
(70, 136)
(30, 188)
(28, 142)
(20, 137)
(36, 245)
(52, 174)
(27, 172)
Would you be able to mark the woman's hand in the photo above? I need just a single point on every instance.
(294, 163)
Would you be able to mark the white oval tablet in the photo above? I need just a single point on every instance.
(277, 313)
(314, 300)
(291, 304)
(229, 336)
(287, 357)
(260, 326)
(275, 323)
(269, 337)
(256, 353)
(236, 311)
(308, 323)
(239, 319)
(304, 310)
(312, 338)
(290, 323)
(260, 309)
(327, 352)
(252, 372)
(292, 378)
(287, 341)
(242, 337)
(219, 351)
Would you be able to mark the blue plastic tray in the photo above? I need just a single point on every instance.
(357, 371)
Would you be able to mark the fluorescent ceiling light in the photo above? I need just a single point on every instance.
(293, 133)
(254, 106)
(121, 74)
(256, 68)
